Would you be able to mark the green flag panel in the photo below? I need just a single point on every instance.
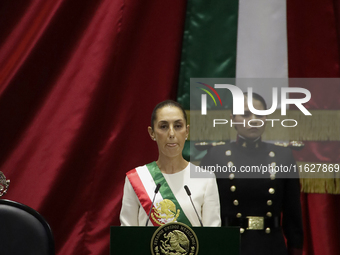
(209, 43)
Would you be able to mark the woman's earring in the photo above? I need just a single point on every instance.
(154, 139)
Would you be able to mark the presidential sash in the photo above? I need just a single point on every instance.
(166, 208)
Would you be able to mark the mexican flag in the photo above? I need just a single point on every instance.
(281, 39)
(271, 39)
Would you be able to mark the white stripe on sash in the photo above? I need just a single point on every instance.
(149, 183)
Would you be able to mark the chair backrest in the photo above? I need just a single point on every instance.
(23, 231)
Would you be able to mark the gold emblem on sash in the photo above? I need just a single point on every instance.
(165, 212)
(174, 239)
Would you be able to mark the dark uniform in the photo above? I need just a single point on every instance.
(266, 208)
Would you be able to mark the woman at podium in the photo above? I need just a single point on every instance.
(163, 181)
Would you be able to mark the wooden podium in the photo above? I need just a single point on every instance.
(212, 240)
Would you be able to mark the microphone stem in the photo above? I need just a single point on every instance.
(153, 200)
(196, 211)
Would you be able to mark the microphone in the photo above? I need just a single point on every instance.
(189, 194)
(153, 200)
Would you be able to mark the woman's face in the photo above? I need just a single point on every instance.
(247, 131)
(170, 131)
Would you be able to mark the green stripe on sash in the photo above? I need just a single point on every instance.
(166, 191)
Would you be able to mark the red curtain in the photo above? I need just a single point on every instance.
(78, 82)
(313, 51)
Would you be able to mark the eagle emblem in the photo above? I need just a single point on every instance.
(165, 212)
(174, 238)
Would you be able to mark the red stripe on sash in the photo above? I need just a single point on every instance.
(141, 193)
